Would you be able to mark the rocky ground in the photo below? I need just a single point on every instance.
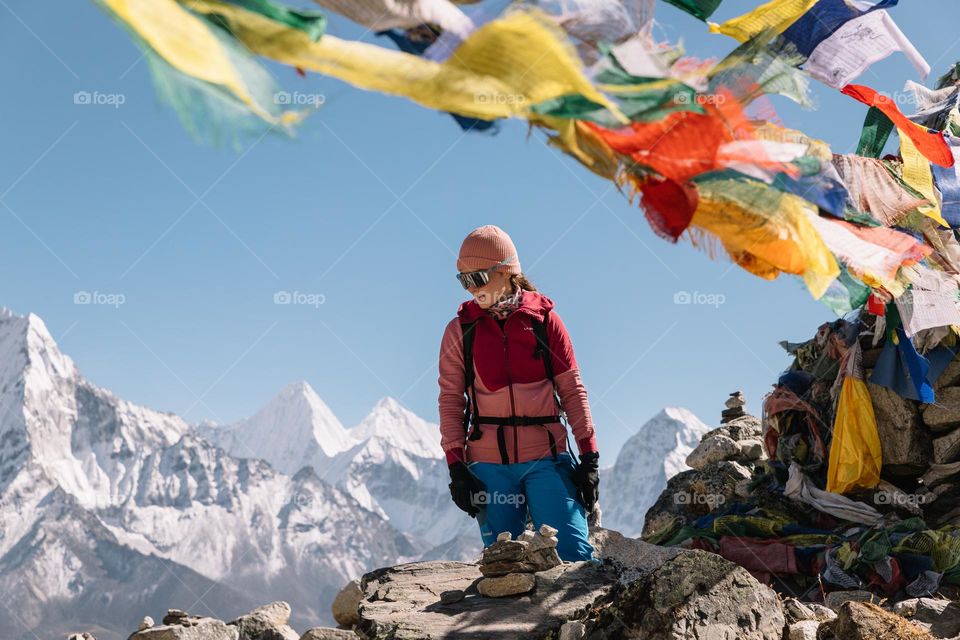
(633, 590)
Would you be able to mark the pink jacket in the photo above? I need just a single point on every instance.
(509, 375)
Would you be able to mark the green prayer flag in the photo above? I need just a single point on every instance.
(876, 130)
(702, 9)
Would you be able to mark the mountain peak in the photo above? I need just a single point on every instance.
(390, 421)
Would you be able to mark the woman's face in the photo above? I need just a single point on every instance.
(497, 288)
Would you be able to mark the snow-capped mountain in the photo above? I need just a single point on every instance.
(392, 464)
(295, 429)
(654, 454)
(94, 489)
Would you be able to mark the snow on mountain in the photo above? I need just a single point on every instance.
(295, 429)
(98, 491)
(392, 463)
(656, 453)
(399, 427)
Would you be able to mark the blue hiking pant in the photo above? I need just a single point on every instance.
(545, 488)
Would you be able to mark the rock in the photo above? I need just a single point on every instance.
(803, 630)
(574, 630)
(504, 551)
(345, 605)
(201, 629)
(941, 617)
(81, 636)
(739, 429)
(867, 621)
(524, 555)
(693, 595)
(504, 535)
(276, 613)
(328, 633)
(736, 399)
(175, 616)
(797, 611)
(944, 415)
(268, 622)
(946, 448)
(146, 623)
(950, 375)
(713, 449)
(752, 449)
(835, 599)
(904, 441)
(632, 556)
(694, 493)
(526, 536)
(547, 531)
(413, 610)
(452, 595)
(508, 585)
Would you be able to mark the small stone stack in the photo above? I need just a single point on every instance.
(734, 410)
(508, 565)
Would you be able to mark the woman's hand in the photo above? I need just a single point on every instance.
(464, 487)
(586, 477)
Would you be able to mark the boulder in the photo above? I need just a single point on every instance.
(803, 630)
(941, 617)
(904, 440)
(797, 611)
(404, 601)
(693, 595)
(713, 449)
(202, 629)
(944, 415)
(950, 375)
(328, 633)
(268, 622)
(867, 621)
(345, 605)
(946, 448)
(694, 493)
(510, 584)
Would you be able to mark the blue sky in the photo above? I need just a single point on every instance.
(364, 211)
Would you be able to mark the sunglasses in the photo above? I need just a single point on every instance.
(479, 278)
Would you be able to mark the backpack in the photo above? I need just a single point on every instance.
(471, 413)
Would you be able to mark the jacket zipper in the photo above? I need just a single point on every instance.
(506, 364)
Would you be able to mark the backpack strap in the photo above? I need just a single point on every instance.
(470, 411)
(543, 351)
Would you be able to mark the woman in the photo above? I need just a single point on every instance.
(499, 416)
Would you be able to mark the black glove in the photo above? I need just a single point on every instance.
(465, 487)
(586, 477)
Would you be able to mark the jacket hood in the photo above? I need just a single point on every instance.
(531, 302)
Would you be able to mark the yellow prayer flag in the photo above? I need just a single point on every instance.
(501, 70)
(776, 15)
(917, 174)
(187, 44)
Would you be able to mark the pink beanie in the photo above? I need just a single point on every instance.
(486, 246)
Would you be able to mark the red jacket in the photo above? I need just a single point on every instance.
(511, 379)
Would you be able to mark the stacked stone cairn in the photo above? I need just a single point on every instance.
(508, 566)
(734, 407)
